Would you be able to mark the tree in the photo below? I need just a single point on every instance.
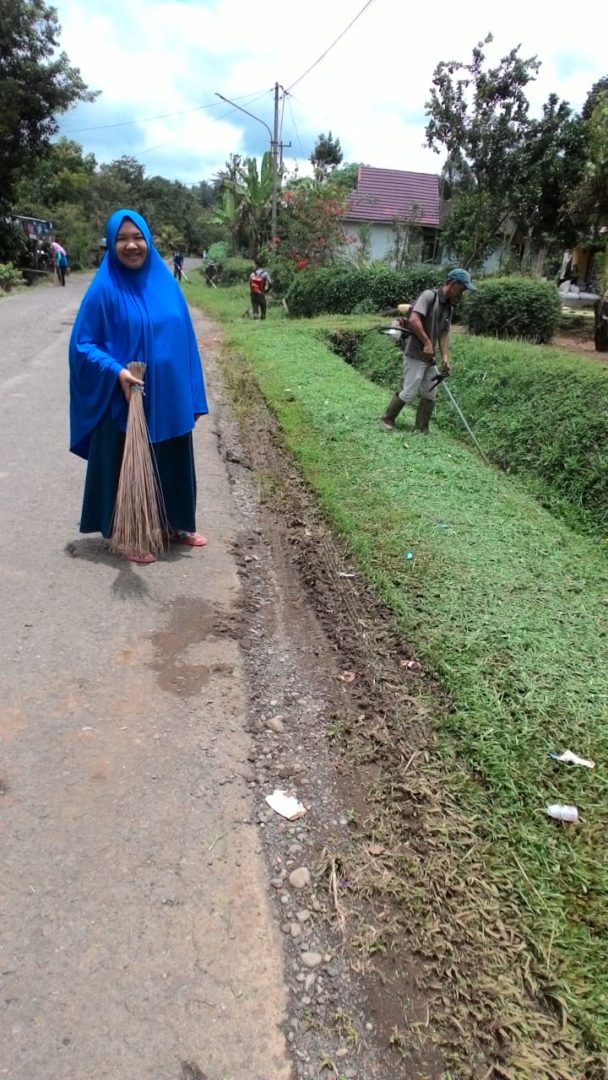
(311, 231)
(345, 176)
(36, 84)
(552, 163)
(599, 87)
(589, 205)
(326, 155)
(255, 210)
(62, 175)
(480, 117)
(128, 170)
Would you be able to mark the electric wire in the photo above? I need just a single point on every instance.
(163, 116)
(295, 126)
(330, 47)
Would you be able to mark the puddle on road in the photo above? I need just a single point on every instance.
(191, 622)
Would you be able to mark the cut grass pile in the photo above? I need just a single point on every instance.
(505, 605)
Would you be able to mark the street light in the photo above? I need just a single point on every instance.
(273, 151)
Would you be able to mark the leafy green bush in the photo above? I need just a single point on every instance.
(340, 291)
(10, 278)
(364, 307)
(218, 251)
(513, 307)
(234, 271)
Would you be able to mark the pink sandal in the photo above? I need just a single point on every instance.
(189, 539)
(136, 557)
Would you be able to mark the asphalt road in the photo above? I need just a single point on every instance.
(136, 930)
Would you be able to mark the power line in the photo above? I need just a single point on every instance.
(330, 47)
(295, 126)
(141, 153)
(163, 116)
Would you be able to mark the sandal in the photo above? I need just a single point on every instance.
(189, 539)
(137, 557)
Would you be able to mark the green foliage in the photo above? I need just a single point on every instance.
(326, 155)
(513, 307)
(218, 251)
(589, 200)
(310, 225)
(13, 245)
(341, 291)
(365, 307)
(234, 271)
(503, 169)
(76, 234)
(10, 277)
(37, 83)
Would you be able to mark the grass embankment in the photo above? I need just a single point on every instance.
(539, 412)
(506, 606)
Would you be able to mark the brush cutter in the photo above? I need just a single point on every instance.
(439, 380)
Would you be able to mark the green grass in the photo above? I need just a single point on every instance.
(537, 411)
(504, 604)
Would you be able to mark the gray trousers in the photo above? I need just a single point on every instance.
(417, 379)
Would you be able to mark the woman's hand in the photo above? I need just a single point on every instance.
(127, 380)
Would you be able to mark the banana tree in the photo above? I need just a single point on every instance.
(229, 214)
(256, 203)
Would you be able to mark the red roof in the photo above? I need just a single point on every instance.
(386, 194)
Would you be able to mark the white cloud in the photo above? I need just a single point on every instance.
(161, 56)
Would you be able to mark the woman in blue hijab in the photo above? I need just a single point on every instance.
(134, 310)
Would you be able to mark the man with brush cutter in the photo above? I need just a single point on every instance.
(429, 325)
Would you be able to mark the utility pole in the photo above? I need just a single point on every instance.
(276, 147)
(275, 162)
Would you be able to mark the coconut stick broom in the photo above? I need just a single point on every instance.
(139, 524)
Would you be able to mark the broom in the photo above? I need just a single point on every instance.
(139, 522)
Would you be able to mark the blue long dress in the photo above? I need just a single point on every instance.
(127, 315)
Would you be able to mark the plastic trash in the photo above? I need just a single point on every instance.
(285, 805)
(562, 813)
(569, 758)
(409, 555)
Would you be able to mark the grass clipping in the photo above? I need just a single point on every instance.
(139, 522)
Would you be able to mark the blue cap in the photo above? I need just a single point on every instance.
(461, 277)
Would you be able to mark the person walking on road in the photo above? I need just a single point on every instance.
(60, 261)
(178, 265)
(430, 321)
(134, 310)
(259, 284)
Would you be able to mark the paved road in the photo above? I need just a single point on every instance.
(136, 933)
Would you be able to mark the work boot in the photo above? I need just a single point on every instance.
(423, 416)
(392, 412)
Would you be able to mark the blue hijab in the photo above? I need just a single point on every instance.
(133, 315)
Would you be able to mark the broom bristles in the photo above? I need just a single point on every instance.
(139, 523)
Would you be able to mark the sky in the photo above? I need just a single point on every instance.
(150, 58)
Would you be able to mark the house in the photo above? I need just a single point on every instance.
(391, 206)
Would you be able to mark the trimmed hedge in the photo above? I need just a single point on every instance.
(513, 307)
(232, 271)
(537, 412)
(340, 291)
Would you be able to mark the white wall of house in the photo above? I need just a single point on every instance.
(381, 238)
